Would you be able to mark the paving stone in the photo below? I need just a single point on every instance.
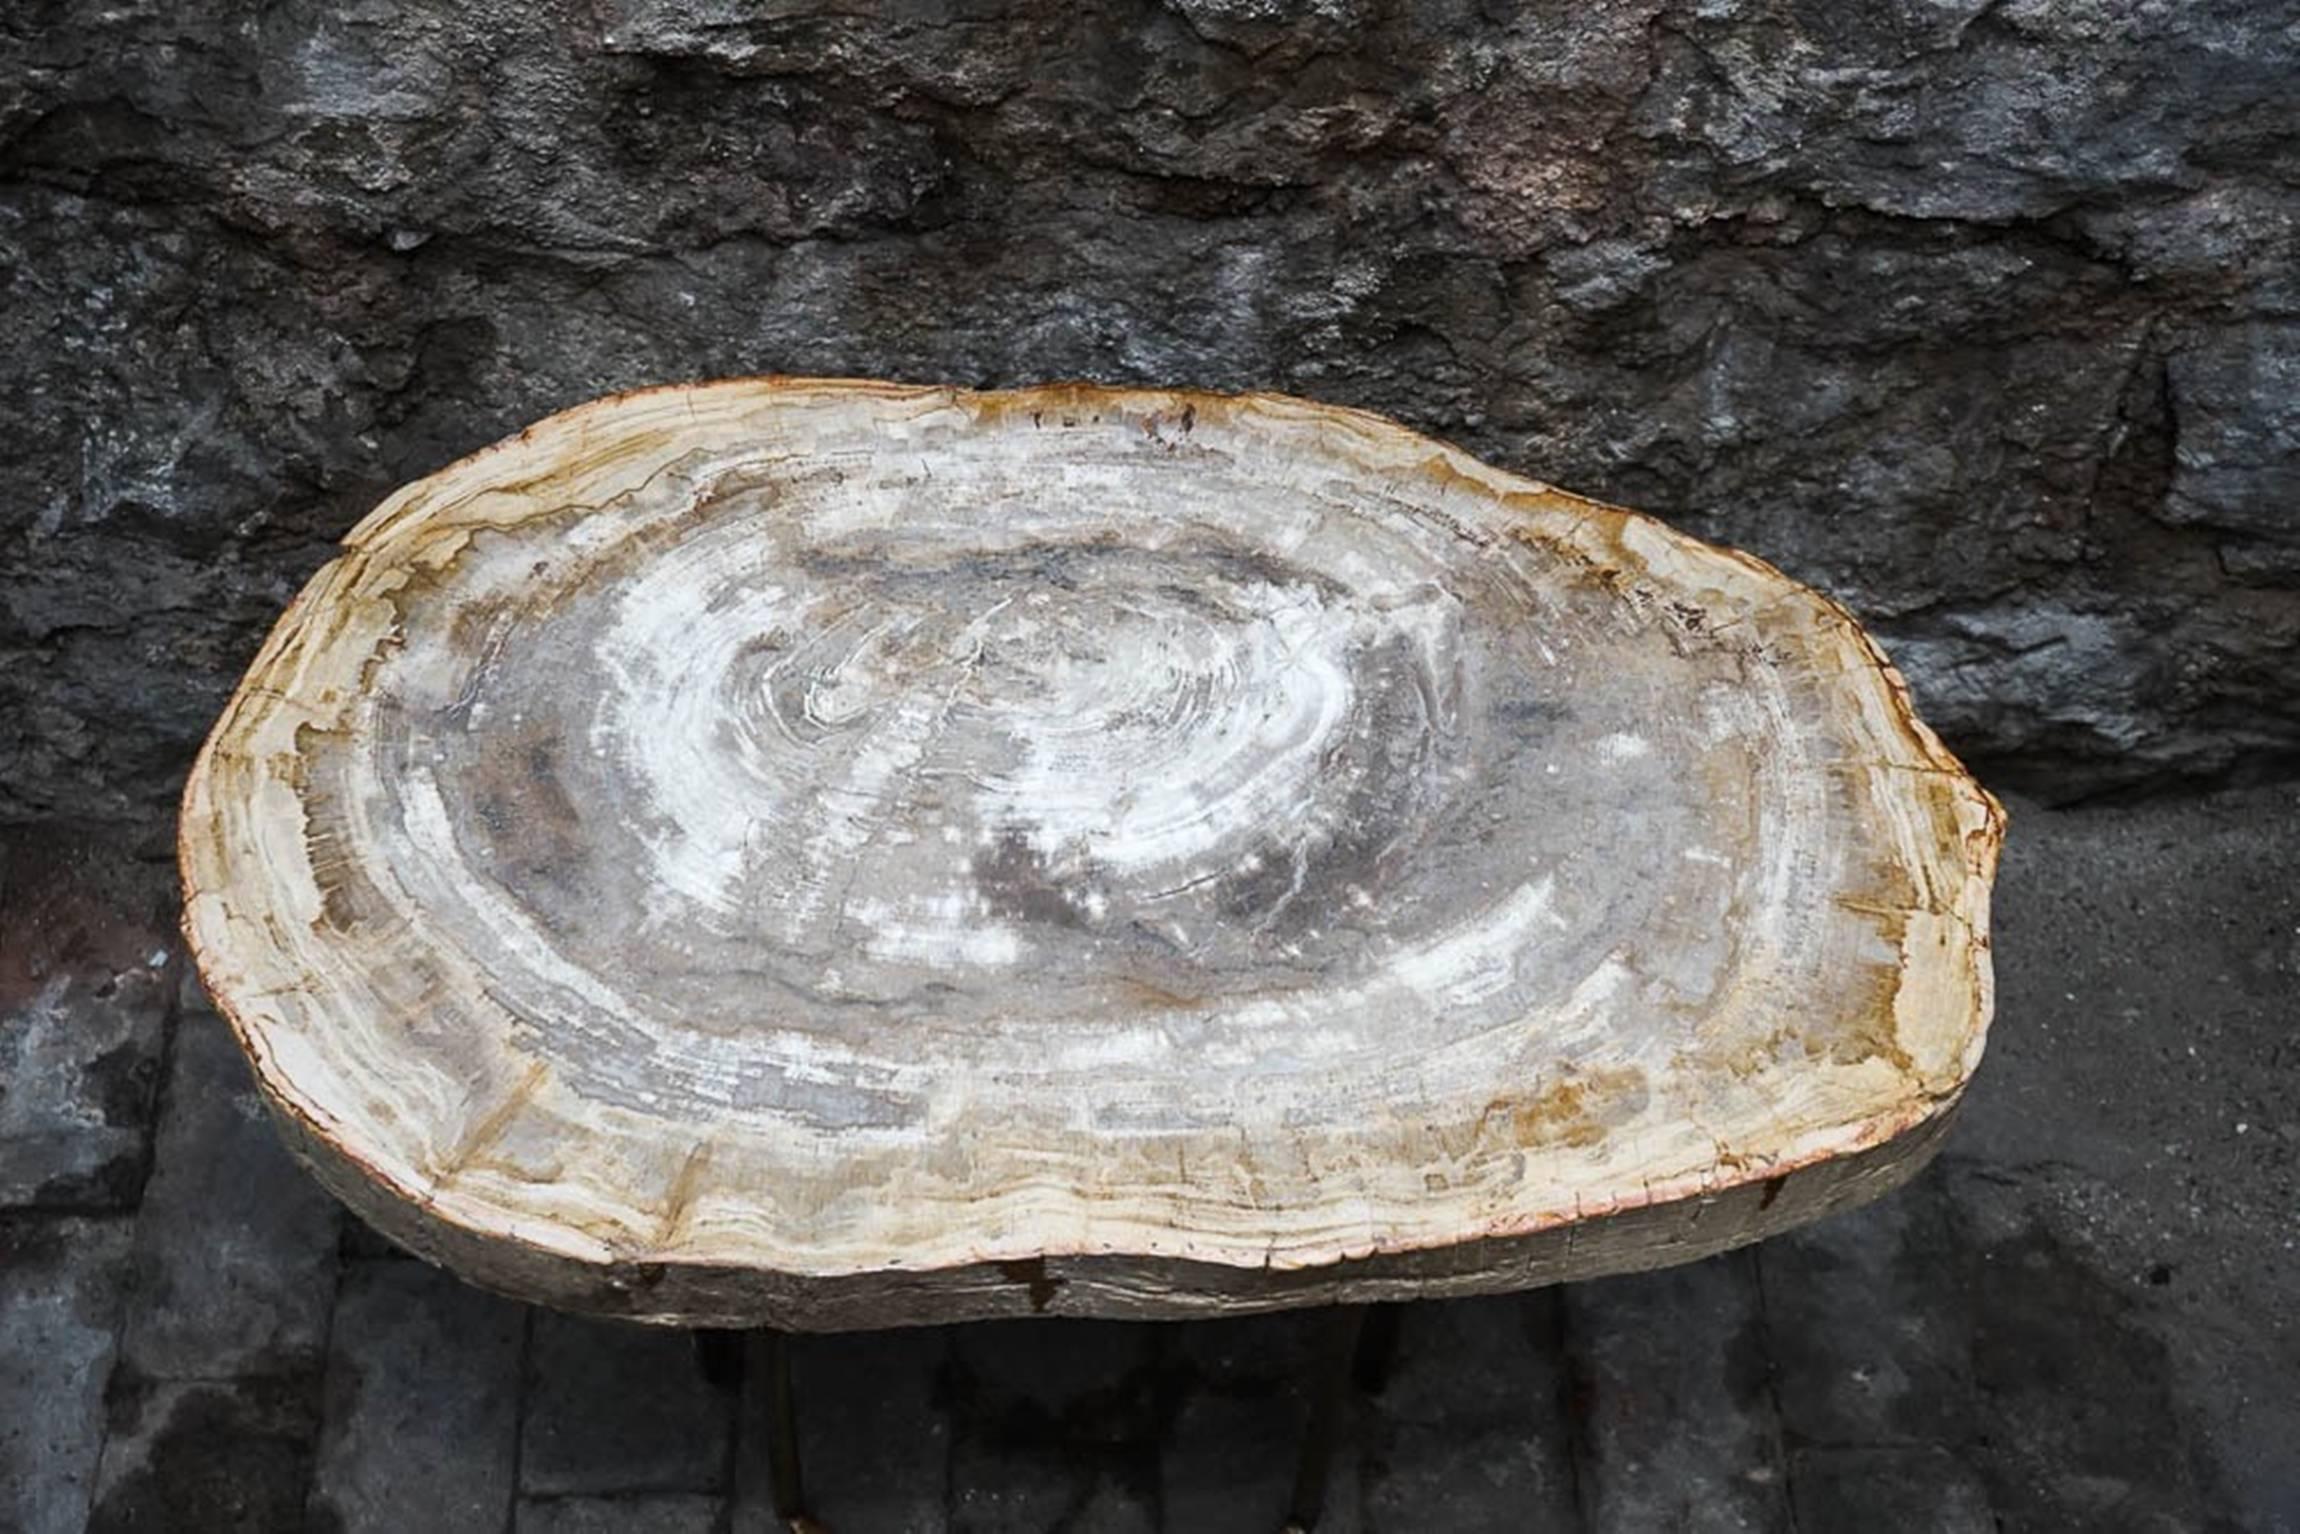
(86, 982)
(1864, 1316)
(646, 1514)
(1055, 1425)
(2080, 1423)
(874, 1440)
(1674, 1402)
(1471, 1432)
(421, 1409)
(2127, 1170)
(61, 1281)
(619, 1407)
(206, 1456)
(1038, 1491)
(235, 1244)
(1914, 1490)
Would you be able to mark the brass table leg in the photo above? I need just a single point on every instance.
(1340, 1329)
(1377, 1348)
(783, 1432)
(719, 1355)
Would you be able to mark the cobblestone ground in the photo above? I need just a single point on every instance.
(2082, 1317)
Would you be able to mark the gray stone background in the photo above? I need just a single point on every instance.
(1984, 315)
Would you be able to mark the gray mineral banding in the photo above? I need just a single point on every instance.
(829, 854)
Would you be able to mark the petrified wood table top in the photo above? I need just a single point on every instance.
(832, 854)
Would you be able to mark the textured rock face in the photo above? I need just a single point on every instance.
(1982, 315)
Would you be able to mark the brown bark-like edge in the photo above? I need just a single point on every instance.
(1118, 1287)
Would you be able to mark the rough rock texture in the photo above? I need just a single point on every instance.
(1981, 314)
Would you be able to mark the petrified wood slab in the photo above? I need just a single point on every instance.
(835, 854)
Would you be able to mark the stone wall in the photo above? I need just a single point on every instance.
(1982, 314)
